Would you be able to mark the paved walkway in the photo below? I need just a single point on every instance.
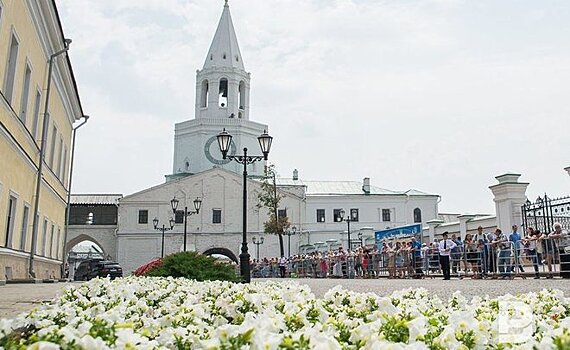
(18, 298)
(443, 289)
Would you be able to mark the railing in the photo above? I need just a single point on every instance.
(545, 211)
(503, 260)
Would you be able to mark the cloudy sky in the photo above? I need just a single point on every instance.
(436, 95)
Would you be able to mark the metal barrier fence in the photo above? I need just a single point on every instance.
(503, 260)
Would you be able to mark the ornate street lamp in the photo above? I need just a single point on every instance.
(197, 205)
(224, 142)
(257, 243)
(163, 229)
(290, 233)
(348, 220)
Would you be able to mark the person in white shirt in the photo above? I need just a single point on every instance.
(445, 247)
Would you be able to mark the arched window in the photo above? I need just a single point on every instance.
(241, 95)
(417, 215)
(204, 94)
(223, 97)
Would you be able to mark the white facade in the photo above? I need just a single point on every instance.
(138, 243)
(376, 208)
(222, 101)
(221, 190)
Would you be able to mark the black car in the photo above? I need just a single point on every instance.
(97, 268)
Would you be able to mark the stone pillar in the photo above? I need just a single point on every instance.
(463, 220)
(510, 195)
(432, 225)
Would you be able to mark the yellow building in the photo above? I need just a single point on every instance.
(30, 34)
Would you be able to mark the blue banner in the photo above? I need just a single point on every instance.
(404, 231)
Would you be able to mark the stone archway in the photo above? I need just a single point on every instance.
(222, 251)
(82, 238)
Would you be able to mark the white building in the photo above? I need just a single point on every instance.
(369, 207)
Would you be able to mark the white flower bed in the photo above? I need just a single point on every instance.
(154, 313)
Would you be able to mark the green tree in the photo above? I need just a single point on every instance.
(270, 199)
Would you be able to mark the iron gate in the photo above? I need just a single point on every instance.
(545, 211)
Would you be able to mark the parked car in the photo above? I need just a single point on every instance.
(84, 269)
(108, 268)
(97, 268)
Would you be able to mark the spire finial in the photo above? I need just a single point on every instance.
(226, 4)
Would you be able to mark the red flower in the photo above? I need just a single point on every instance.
(144, 269)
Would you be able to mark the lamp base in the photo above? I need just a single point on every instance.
(245, 269)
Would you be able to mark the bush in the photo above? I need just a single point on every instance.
(195, 266)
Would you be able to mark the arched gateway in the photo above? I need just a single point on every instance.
(222, 251)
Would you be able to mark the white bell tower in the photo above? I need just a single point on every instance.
(222, 86)
(222, 101)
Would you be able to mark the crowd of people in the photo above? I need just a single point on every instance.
(480, 256)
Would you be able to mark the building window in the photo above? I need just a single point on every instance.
(51, 240)
(143, 216)
(354, 215)
(11, 69)
(282, 213)
(10, 221)
(204, 94)
(59, 165)
(386, 215)
(64, 167)
(223, 94)
(52, 146)
(336, 215)
(57, 244)
(24, 232)
(179, 217)
(25, 94)
(44, 235)
(36, 115)
(320, 215)
(241, 95)
(417, 215)
(216, 216)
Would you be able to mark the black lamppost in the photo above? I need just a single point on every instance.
(224, 141)
(290, 233)
(257, 243)
(163, 229)
(197, 205)
(348, 220)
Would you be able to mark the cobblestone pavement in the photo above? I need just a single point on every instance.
(443, 289)
(18, 298)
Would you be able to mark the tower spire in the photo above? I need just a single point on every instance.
(224, 50)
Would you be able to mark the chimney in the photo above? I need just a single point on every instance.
(366, 185)
(295, 175)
